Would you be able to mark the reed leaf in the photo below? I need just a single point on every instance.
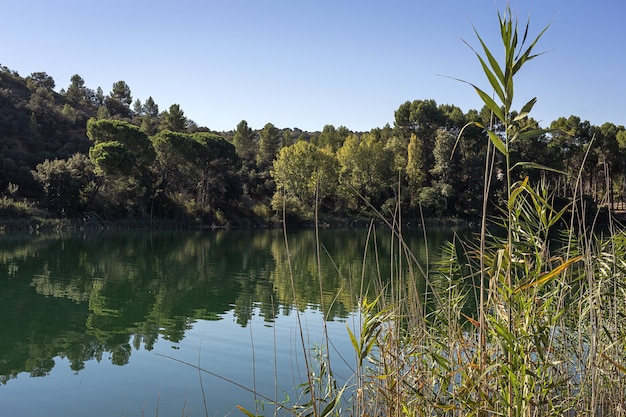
(493, 71)
(517, 191)
(497, 142)
(526, 134)
(526, 109)
(332, 404)
(246, 412)
(490, 103)
(549, 275)
(534, 165)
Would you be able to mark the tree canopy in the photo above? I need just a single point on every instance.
(79, 150)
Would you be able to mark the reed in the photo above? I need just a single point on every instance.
(524, 318)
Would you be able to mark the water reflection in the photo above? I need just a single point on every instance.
(101, 296)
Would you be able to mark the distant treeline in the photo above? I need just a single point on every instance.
(78, 150)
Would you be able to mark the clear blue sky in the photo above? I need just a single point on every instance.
(306, 64)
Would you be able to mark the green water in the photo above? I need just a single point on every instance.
(96, 324)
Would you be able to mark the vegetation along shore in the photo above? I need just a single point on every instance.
(524, 318)
(75, 150)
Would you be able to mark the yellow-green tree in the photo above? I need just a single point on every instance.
(304, 175)
(366, 169)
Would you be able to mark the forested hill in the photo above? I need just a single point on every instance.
(36, 124)
(76, 150)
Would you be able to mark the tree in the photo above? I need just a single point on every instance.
(245, 142)
(304, 175)
(569, 139)
(269, 143)
(121, 92)
(609, 161)
(397, 146)
(33, 127)
(444, 170)
(331, 138)
(103, 113)
(69, 113)
(423, 118)
(366, 168)
(76, 92)
(151, 108)
(219, 184)
(123, 155)
(40, 80)
(453, 117)
(286, 138)
(119, 100)
(621, 141)
(174, 119)
(471, 149)
(138, 108)
(416, 176)
(126, 142)
(149, 125)
(98, 98)
(67, 184)
(42, 104)
(116, 108)
(200, 167)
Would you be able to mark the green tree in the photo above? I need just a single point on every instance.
(98, 98)
(119, 100)
(219, 163)
(286, 138)
(398, 147)
(200, 167)
(131, 137)
(69, 113)
(304, 175)
(151, 108)
(76, 92)
(471, 150)
(416, 176)
(148, 125)
(444, 170)
(245, 141)
(366, 169)
(453, 117)
(67, 184)
(33, 127)
(423, 118)
(123, 155)
(621, 141)
(569, 140)
(269, 143)
(138, 108)
(121, 92)
(40, 80)
(103, 113)
(43, 105)
(609, 161)
(174, 119)
(332, 138)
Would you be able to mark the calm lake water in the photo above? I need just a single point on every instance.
(97, 324)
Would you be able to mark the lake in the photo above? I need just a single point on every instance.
(118, 323)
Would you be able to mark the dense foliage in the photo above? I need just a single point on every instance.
(78, 150)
